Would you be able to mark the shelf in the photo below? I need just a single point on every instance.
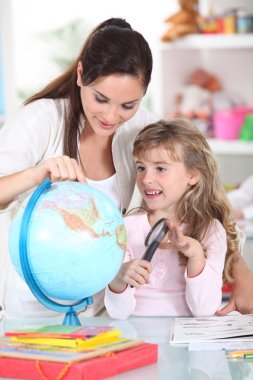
(211, 41)
(231, 147)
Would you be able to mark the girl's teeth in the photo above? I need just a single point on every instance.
(155, 192)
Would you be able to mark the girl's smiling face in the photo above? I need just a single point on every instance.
(163, 180)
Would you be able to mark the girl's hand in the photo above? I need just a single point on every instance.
(134, 272)
(60, 168)
(190, 247)
(177, 240)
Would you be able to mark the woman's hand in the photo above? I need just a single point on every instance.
(57, 169)
(60, 168)
(239, 214)
(241, 298)
(134, 272)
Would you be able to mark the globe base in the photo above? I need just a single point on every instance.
(71, 318)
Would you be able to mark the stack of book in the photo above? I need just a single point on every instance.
(71, 352)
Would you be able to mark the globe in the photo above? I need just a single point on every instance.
(74, 240)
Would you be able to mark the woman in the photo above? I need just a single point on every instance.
(79, 127)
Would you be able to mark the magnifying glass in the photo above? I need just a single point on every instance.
(154, 238)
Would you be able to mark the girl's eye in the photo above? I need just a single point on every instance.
(140, 168)
(160, 169)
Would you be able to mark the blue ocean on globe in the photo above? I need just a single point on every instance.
(76, 241)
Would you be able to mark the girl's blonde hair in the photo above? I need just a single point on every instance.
(203, 201)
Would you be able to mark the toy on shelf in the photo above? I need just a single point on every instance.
(194, 100)
(246, 132)
(186, 21)
(229, 123)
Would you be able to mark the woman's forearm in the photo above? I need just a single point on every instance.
(14, 184)
(239, 267)
(241, 299)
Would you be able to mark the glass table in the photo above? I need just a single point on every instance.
(174, 362)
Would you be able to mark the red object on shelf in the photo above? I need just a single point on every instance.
(92, 369)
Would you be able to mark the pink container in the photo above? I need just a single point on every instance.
(227, 123)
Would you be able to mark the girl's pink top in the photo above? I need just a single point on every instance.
(170, 292)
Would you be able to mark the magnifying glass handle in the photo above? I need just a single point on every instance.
(149, 253)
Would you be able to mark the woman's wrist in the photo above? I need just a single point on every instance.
(239, 267)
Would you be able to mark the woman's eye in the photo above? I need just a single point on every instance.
(127, 107)
(100, 100)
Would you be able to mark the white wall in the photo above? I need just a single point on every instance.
(32, 66)
(6, 44)
(28, 59)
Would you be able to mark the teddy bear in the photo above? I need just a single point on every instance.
(194, 99)
(186, 21)
(200, 97)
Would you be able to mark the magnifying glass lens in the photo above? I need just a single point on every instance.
(157, 232)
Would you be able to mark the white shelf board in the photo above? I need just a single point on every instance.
(211, 41)
(231, 147)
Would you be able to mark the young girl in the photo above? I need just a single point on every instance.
(178, 179)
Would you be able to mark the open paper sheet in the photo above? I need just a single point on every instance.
(207, 329)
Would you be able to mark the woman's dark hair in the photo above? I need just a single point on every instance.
(113, 47)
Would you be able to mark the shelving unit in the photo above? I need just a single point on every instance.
(230, 58)
(235, 159)
(211, 41)
(216, 53)
(232, 147)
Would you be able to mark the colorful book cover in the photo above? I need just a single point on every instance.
(76, 343)
(9, 348)
(59, 331)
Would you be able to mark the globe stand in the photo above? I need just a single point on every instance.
(71, 317)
